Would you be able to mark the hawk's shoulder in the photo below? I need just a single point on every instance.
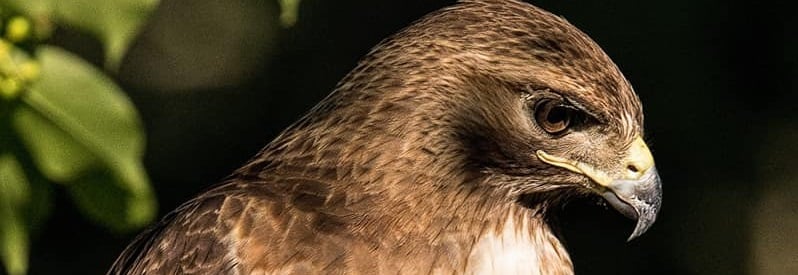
(269, 224)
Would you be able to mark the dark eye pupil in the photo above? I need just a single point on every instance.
(553, 116)
(558, 115)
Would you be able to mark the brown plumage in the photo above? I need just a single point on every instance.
(439, 153)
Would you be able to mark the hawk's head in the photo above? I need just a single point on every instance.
(554, 112)
(495, 96)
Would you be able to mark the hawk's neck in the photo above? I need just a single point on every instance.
(523, 245)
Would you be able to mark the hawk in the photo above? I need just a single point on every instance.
(442, 152)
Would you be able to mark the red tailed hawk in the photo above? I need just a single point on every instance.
(441, 152)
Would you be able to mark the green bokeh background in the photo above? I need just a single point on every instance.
(214, 81)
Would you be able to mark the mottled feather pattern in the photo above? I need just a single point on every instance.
(422, 152)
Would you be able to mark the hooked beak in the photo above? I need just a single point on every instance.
(636, 193)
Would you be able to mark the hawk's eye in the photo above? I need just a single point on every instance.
(555, 117)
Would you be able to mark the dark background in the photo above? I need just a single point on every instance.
(216, 80)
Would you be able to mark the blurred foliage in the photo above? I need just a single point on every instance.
(288, 12)
(64, 121)
(114, 22)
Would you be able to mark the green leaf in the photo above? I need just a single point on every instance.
(77, 123)
(288, 12)
(108, 203)
(33, 8)
(14, 195)
(114, 22)
(58, 155)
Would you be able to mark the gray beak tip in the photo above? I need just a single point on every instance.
(640, 199)
(644, 221)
